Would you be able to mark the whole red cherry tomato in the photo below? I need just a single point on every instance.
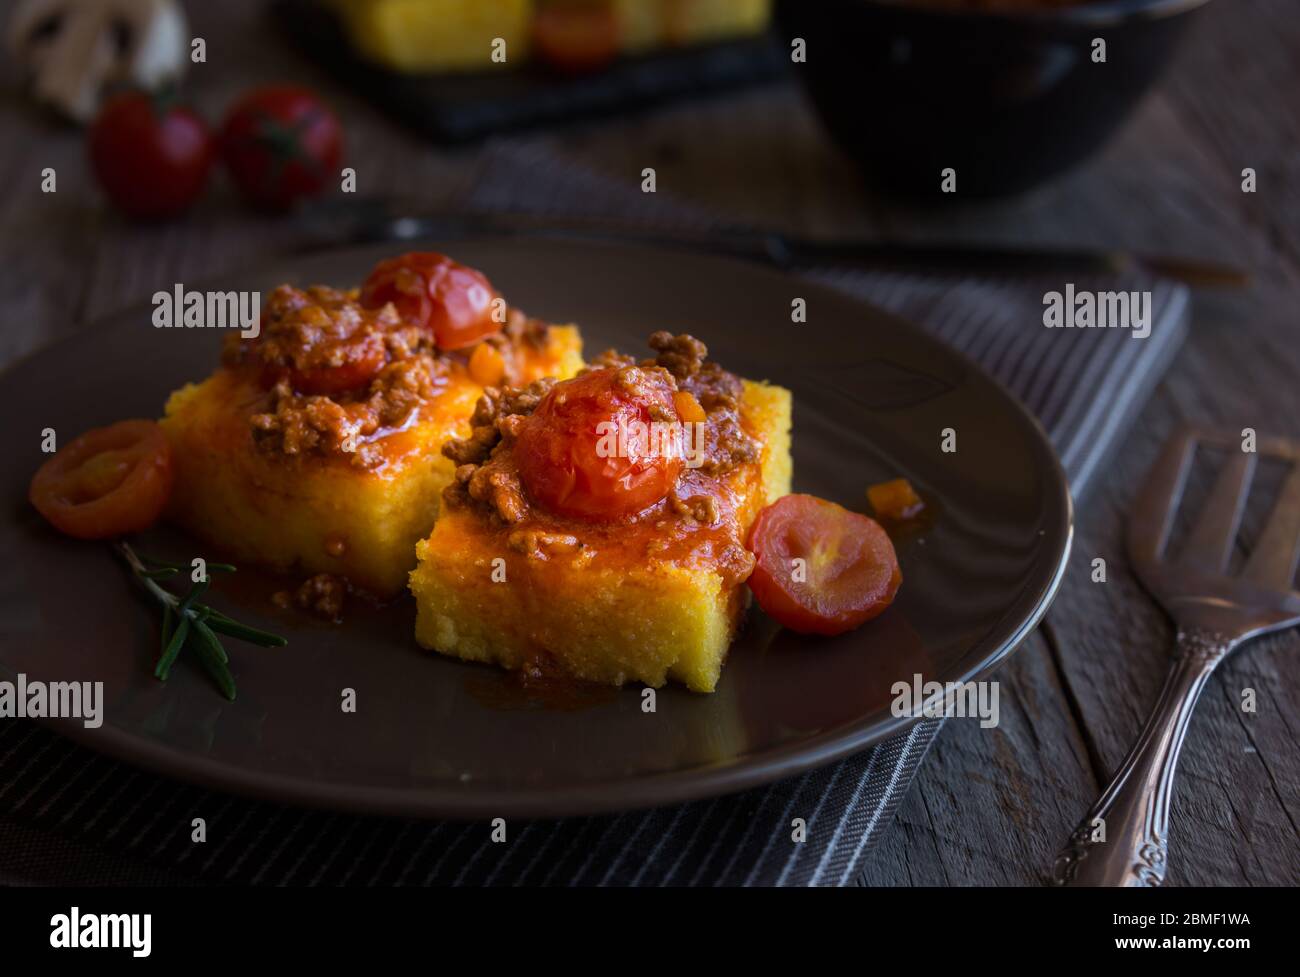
(456, 303)
(281, 144)
(111, 480)
(563, 455)
(151, 156)
(849, 572)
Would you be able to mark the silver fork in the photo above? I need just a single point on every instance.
(1123, 840)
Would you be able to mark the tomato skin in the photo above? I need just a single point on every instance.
(110, 481)
(281, 144)
(852, 572)
(451, 300)
(151, 159)
(353, 375)
(404, 282)
(462, 307)
(559, 459)
(577, 37)
(362, 356)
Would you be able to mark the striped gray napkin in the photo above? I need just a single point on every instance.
(58, 800)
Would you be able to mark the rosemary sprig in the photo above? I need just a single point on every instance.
(188, 623)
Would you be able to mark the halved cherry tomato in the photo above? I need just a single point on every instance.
(576, 37)
(849, 572)
(451, 300)
(335, 367)
(110, 481)
(563, 448)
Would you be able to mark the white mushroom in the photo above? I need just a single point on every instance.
(73, 49)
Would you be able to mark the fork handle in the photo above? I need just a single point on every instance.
(1123, 839)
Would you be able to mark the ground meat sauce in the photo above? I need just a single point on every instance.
(692, 516)
(340, 377)
(322, 595)
(485, 470)
(519, 332)
(726, 444)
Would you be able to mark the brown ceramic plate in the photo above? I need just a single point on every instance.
(439, 738)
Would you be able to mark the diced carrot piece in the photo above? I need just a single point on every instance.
(487, 367)
(688, 408)
(895, 500)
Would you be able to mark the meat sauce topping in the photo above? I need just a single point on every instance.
(322, 595)
(690, 518)
(340, 376)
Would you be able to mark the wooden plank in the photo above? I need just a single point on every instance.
(990, 806)
(1249, 114)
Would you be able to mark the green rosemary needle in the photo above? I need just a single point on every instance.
(187, 623)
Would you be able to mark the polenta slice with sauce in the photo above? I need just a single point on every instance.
(561, 549)
(314, 448)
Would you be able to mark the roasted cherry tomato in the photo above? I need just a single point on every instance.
(347, 364)
(110, 481)
(281, 144)
(576, 37)
(151, 156)
(849, 572)
(455, 302)
(569, 455)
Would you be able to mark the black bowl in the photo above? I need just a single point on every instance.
(1006, 99)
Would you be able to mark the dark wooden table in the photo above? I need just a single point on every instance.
(991, 806)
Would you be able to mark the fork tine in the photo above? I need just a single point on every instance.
(1157, 500)
(1273, 562)
(1210, 543)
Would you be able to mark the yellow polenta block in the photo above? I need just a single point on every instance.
(620, 616)
(438, 35)
(459, 35)
(311, 514)
(648, 24)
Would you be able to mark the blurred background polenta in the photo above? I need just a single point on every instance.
(1008, 93)
(459, 35)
